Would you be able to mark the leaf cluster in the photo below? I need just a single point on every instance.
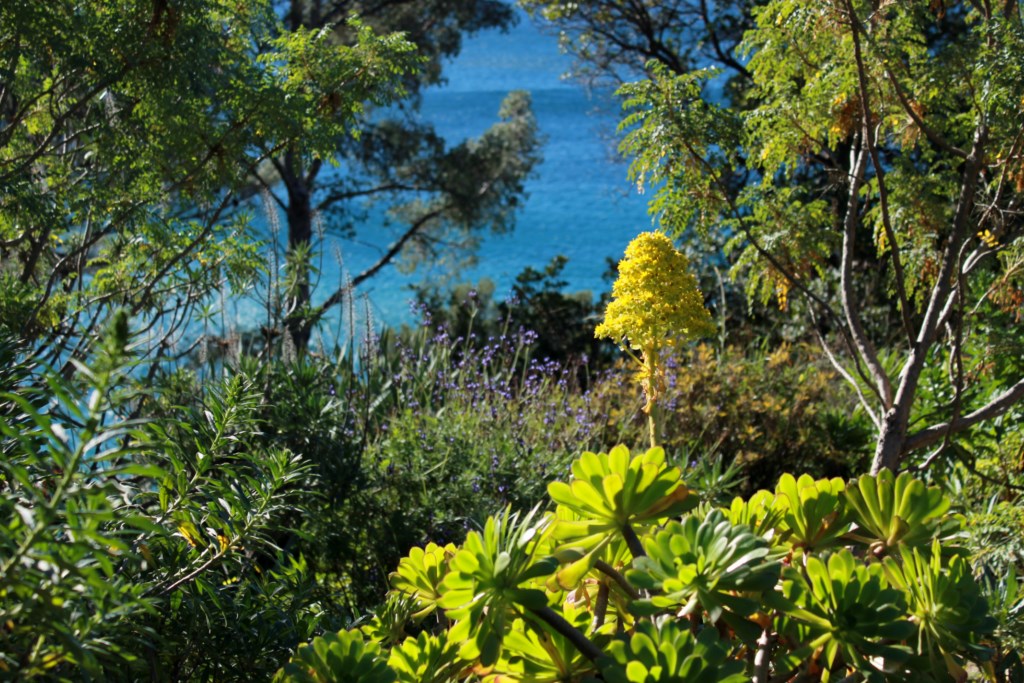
(791, 584)
(129, 543)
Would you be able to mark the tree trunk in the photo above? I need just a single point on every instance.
(299, 183)
(889, 448)
(300, 237)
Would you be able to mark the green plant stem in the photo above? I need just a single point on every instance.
(571, 633)
(652, 425)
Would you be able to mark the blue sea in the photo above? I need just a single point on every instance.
(580, 203)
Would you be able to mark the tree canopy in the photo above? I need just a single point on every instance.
(126, 131)
(874, 167)
(437, 196)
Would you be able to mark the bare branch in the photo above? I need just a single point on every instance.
(994, 408)
(865, 348)
(850, 379)
(396, 247)
(723, 56)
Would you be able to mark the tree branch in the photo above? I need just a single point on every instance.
(724, 57)
(869, 134)
(864, 346)
(850, 379)
(994, 408)
(393, 251)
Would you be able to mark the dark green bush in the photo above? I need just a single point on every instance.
(142, 547)
(564, 321)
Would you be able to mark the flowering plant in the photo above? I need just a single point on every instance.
(655, 303)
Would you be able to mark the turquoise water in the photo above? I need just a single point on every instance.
(580, 204)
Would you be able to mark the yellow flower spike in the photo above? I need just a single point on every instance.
(655, 300)
(655, 303)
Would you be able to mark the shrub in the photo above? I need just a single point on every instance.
(767, 413)
(141, 547)
(457, 426)
(538, 302)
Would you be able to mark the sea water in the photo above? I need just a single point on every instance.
(580, 203)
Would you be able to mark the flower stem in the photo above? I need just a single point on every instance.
(652, 425)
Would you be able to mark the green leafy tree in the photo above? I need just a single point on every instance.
(126, 132)
(879, 143)
(436, 196)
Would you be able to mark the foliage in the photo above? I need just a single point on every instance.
(848, 612)
(946, 602)
(861, 163)
(613, 40)
(563, 321)
(610, 496)
(898, 511)
(708, 565)
(668, 653)
(127, 135)
(130, 543)
(705, 597)
(413, 436)
(764, 412)
(430, 199)
(330, 655)
(813, 513)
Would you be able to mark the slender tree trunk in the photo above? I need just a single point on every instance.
(300, 237)
(299, 182)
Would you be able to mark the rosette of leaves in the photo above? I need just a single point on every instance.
(890, 511)
(342, 656)
(850, 611)
(420, 574)
(426, 659)
(611, 493)
(487, 583)
(813, 512)
(664, 653)
(758, 512)
(541, 654)
(387, 626)
(706, 565)
(946, 605)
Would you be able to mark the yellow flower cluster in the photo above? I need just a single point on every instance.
(655, 300)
